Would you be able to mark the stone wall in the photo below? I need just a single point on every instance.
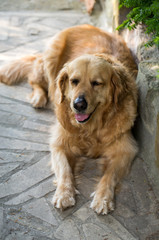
(105, 14)
(147, 127)
(147, 124)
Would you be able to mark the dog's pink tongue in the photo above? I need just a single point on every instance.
(81, 117)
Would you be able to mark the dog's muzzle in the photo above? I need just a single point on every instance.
(80, 105)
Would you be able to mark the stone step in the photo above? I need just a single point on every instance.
(40, 5)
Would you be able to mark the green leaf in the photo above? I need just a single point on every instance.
(145, 12)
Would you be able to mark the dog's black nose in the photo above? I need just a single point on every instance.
(80, 103)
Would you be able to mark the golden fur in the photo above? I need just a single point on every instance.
(87, 61)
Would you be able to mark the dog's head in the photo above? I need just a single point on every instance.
(90, 83)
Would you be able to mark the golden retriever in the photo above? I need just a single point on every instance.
(90, 77)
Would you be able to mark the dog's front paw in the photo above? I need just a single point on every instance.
(38, 99)
(63, 199)
(101, 205)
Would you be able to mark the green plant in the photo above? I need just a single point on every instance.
(145, 12)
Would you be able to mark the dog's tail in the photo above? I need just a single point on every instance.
(17, 70)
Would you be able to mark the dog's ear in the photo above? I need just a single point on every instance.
(61, 82)
(122, 82)
(119, 82)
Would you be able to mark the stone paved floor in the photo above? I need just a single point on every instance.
(26, 185)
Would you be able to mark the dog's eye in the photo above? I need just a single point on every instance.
(95, 83)
(75, 81)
